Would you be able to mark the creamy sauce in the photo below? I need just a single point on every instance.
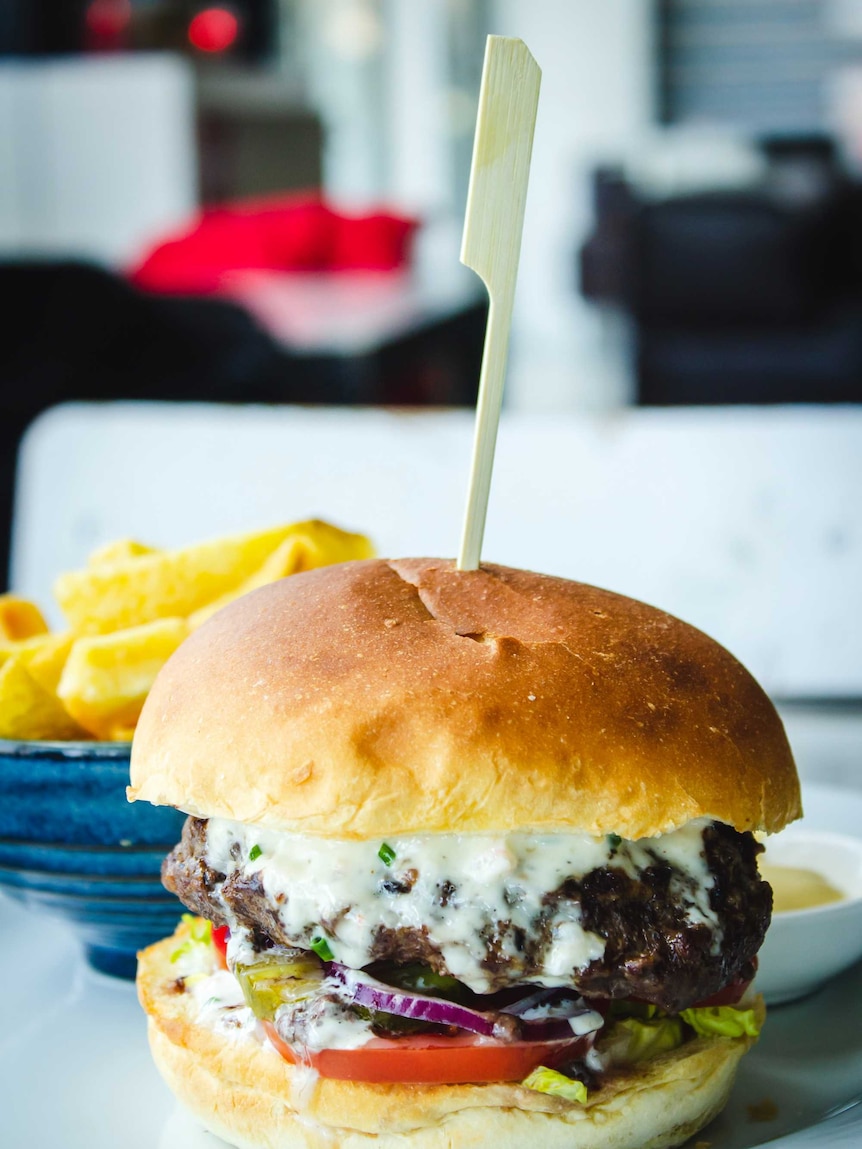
(587, 1022)
(456, 887)
(327, 1025)
(303, 1084)
(794, 888)
(222, 1007)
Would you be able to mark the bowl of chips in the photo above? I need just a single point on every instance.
(70, 843)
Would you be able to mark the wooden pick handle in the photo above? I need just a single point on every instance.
(491, 245)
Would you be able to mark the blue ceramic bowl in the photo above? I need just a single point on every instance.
(71, 845)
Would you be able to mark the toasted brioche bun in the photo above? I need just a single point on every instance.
(242, 1090)
(390, 698)
(382, 698)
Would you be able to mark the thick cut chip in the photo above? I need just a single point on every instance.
(169, 584)
(119, 551)
(323, 544)
(20, 618)
(29, 712)
(129, 609)
(43, 656)
(318, 545)
(107, 677)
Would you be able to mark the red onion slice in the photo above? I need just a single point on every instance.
(555, 1024)
(550, 1014)
(553, 1029)
(551, 1021)
(367, 991)
(531, 1001)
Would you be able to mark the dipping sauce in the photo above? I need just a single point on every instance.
(794, 888)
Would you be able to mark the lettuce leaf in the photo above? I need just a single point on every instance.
(631, 1040)
(722, 1021)
(544, 1080)
(199, 933)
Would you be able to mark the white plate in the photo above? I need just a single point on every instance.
(75, 1071)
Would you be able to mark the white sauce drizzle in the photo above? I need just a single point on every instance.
(222, 1007)
(331, 1027)
(587, 1022)
(321, 885)
(303, 1083)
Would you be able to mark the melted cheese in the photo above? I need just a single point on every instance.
(457, 887)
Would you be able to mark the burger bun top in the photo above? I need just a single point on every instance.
(380, 698)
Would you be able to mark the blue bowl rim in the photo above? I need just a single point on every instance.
(22, 748)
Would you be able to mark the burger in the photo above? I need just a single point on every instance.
(470, 859)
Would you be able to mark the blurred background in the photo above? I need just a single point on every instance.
(261, 200)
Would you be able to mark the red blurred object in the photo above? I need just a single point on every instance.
(213, 30)
(106, 23)
(284, 233)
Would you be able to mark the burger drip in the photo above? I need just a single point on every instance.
(669, 920)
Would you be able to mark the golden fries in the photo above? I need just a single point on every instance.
(118, 551)
(27, 711)
(315, 544)
(19, 618)
(43, 656)
(107, 676)
(128, 610)
(173, 584)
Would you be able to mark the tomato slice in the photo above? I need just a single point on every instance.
(220, 935)
(427, 1059)
(730, 995)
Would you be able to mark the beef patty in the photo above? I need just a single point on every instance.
(653, 949)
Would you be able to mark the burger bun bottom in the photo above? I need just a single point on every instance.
(240, 1089)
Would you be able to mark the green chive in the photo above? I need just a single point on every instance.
(614, 841)
(321, 947)
(386, 855)
(254, 853)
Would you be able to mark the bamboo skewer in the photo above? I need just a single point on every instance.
(491, 245)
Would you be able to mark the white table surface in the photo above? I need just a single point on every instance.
(75, 1070)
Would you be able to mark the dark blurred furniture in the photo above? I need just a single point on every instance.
(254, 136)
(74, 331)
(748, 296)
(63, 27)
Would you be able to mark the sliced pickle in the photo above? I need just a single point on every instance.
(278, 979)
(387, 1024)
(421, 979)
